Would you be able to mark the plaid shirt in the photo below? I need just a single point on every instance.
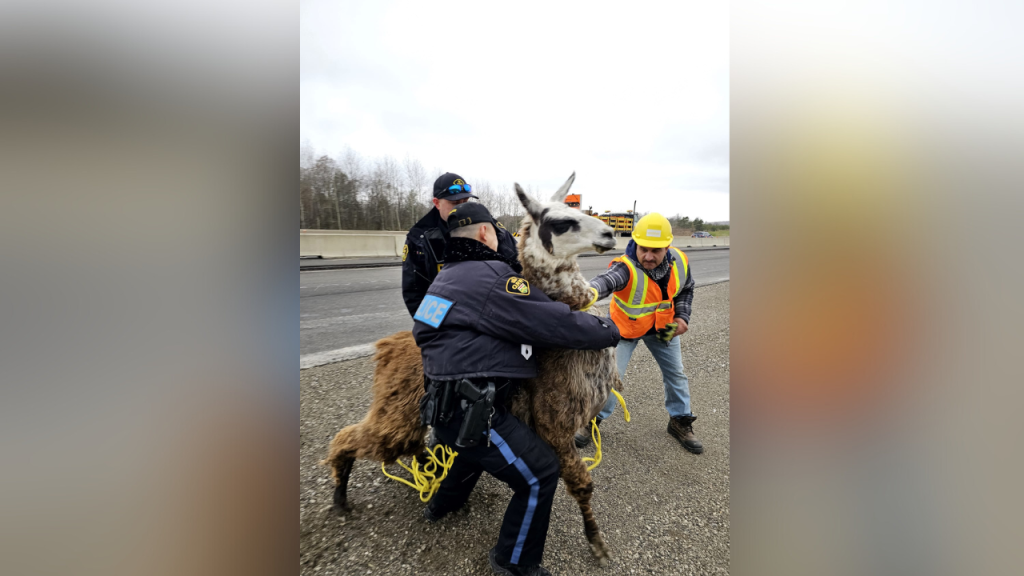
(616, 278)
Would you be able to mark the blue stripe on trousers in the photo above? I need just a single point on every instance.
(527, 474)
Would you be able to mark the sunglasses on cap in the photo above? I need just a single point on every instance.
(456, 188)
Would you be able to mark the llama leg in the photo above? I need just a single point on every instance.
(340, 457)
(342, 469)
(581, 487)
(551, 427)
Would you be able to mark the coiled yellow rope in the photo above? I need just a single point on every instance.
(595, 433)
(426, 481)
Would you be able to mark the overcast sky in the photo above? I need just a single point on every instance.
(632, 97)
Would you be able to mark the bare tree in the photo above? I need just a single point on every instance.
(388, 176)
(350, 192)
(306, 160)
(355, 171)
(418, 188)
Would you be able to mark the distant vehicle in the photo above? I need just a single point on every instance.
(621, 222)
(701, 235)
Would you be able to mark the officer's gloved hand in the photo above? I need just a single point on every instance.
(667, 333)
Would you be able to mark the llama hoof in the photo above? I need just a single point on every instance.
(341, 510)
(600, 550)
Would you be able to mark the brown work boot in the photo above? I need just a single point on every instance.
(681, 428)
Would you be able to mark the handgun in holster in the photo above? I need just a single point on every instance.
(477, 420)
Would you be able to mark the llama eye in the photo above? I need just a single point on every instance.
(561, 226)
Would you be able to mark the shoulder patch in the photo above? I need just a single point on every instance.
(500, 225)
(433, 310)
(405, 252)
(517, 286)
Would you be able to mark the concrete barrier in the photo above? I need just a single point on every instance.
(381, 243)
(401, 233)
(683, 243)
(350, 243)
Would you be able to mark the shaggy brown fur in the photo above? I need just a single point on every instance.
(391, 429)
(571, 388)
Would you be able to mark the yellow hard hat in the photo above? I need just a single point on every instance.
(653, 231)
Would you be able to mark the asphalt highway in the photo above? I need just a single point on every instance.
(344, 308)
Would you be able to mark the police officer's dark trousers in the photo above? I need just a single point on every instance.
(517, 457)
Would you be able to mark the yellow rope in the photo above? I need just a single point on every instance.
(425, 481)
(595, 434)
(623, 402)
(592, 299)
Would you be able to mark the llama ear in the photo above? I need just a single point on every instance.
(560, 195)
(533, 208)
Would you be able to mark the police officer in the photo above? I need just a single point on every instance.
(422, 255)
(476, 328)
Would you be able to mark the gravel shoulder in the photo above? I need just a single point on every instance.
(662, 509)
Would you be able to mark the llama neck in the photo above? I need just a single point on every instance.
(559, 278)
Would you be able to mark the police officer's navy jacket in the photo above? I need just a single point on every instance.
(423, 255)
(480, 318)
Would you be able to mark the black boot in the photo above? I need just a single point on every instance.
(430, 515)
(506, 569)
(582, 439)
(433, 513)
(681, 428)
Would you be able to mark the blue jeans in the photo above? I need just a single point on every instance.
(670, 360)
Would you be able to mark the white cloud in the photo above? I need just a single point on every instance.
(635, 101)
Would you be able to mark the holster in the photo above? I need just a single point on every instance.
(443, 397)
(438, 403)
(480, 404)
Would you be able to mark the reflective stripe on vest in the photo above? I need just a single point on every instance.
(680, 257)
(633, 302)
(633, 305)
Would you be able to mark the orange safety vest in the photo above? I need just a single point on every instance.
(639, 306)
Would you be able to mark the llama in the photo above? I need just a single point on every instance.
(570, 389)
(571, 385)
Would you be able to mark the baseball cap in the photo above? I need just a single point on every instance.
(451, 186)
(467, 214)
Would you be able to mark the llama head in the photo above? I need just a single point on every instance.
(561, 231)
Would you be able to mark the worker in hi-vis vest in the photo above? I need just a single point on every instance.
(653, 290)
